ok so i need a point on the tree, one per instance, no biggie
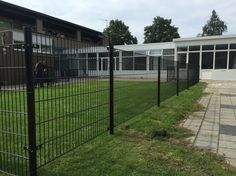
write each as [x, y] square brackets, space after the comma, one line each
[119, 33]
[160, 31]
[214, 26]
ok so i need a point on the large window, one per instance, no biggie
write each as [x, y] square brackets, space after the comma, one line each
[168, 52]
[232, 60]
[153, 63]
[82, 65]
[140, 63]
[180, 49]
[127, 53]
[82, 56]
[233, 46]
[167, 60]
[103, 64]
[127, 63]
[208, 47]
[92, 55]
[182, 60]
[92, 61]
[116, 54]
[4, 25]
[207, 60]
[194, 58]
[92, 64]
[194, 48]
[105, 54]
[117, 63]
[221, 60]
[155, 52]
[222, 47]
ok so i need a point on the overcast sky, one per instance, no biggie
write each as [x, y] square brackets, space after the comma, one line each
[188, 15]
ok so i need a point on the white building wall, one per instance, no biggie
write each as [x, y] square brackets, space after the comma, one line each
[213, 74]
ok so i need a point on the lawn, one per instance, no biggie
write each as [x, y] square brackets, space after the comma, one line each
[68, 115]
[137, 148]
[149, 144]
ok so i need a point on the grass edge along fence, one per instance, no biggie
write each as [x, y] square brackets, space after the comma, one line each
[76, 108]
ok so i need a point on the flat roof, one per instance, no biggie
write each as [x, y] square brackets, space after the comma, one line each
[215, 37]
[18, 10]
[145, 46]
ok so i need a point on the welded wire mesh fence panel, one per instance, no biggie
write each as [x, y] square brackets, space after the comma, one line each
[135, 85]
[183, 76]
[71, 94]
[168, 86]
[13, 111]
[193, 74]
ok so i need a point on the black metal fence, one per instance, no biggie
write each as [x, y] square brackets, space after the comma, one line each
[135, 86]
[175, 78]
[57, 94]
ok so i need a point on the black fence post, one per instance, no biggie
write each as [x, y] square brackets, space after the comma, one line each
[187, 75]
[177, 86]
[159, 83]
[111, 75]
[30, 102]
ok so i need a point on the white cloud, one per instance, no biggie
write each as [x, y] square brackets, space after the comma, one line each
[188, 15]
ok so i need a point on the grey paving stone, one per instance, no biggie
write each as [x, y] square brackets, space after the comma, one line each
[228, 95]
[228, 130]
[228, 116]
[205, 144]
[198, 115]
[210, 124]
[227, 122]
[217, 131]
[208, 127]
[227, 144]
[228, 106]
[206, 139]
[192, 124]
[227, 138]
[227, 152]
[210, 137]
[224, 112]
[195, 117]
[209, 132]
[214, 121]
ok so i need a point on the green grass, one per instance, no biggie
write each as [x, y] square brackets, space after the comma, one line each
[79, 110]
[136, 150]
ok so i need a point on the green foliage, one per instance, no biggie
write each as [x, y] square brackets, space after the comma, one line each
[119, 33]
[160, 31]
[214, 26]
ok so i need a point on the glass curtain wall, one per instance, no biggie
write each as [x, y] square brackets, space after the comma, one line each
[194, 55]
[168, 56]
[221, 56]
[232, 56]
[207, 56]
[153, 59]
[182, 56]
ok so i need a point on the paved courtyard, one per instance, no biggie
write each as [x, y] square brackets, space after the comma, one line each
[215, 126]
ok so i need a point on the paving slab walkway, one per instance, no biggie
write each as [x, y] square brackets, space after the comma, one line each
[214, 127]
